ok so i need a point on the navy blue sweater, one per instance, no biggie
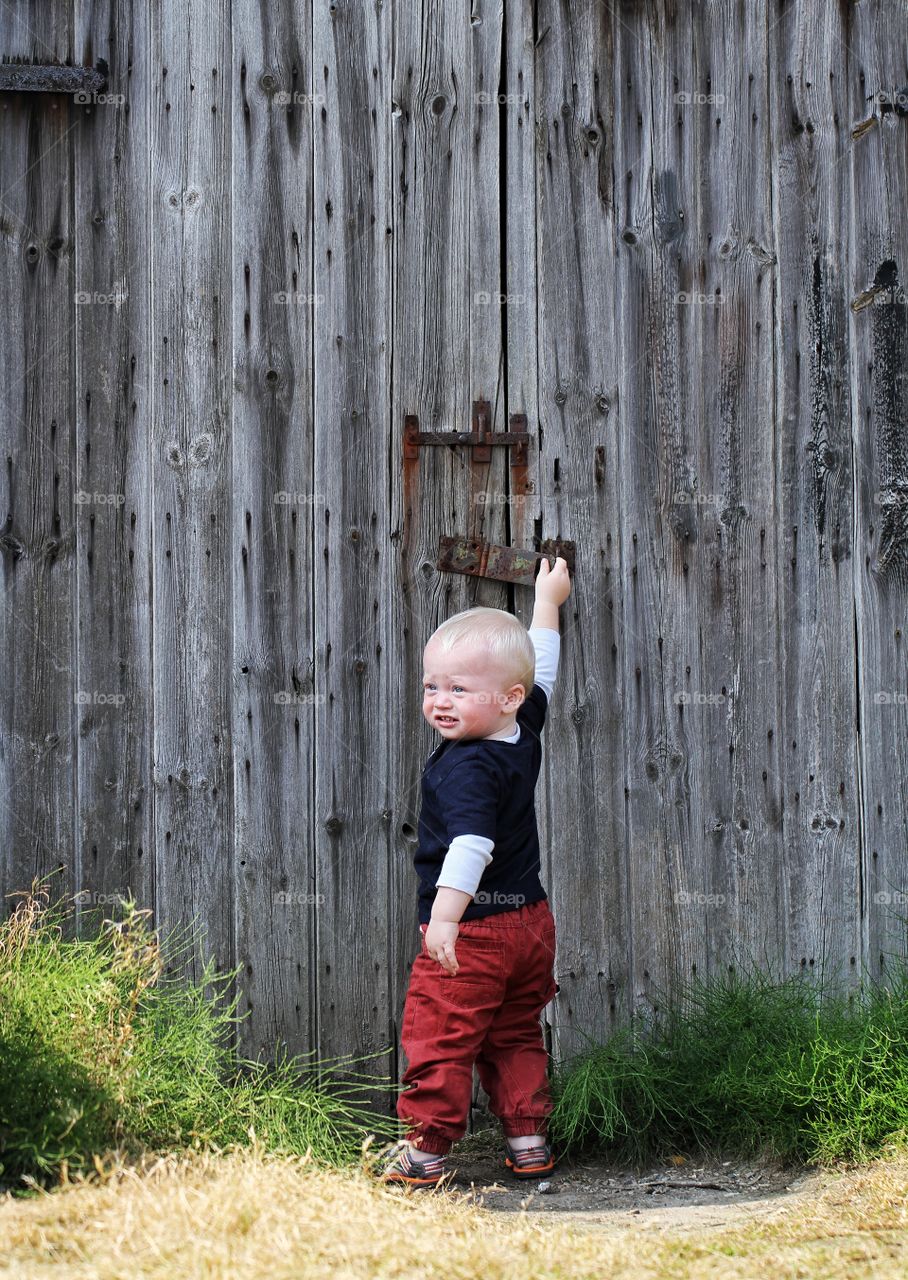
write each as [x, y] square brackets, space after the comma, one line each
[485, 787]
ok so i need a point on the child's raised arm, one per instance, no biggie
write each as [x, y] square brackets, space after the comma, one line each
[553, 586]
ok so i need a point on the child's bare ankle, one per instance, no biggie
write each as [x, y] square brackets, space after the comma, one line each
[526, 1140]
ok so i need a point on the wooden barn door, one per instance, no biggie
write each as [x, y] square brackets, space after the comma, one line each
[675, 244]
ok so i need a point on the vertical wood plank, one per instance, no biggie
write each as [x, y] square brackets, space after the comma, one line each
[810, 65]
[276, 499]
[694, 301]
[448, 320]
[38, 746]
[191, 474]
[579, 355]
[714, 285]
[876, 163]
[115, 850]
[357, 724]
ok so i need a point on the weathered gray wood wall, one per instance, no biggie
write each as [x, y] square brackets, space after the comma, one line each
[667, 234]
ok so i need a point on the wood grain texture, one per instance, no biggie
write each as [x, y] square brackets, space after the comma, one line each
[40, 717]
[191, 477]
[448, 325]
[355, 721]
[276, 504]
[876, 179]
[113, 341]
[674, 238]
[581, 349]
[819, 867]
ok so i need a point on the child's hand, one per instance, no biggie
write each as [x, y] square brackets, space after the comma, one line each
[553, 585]
[440, 938]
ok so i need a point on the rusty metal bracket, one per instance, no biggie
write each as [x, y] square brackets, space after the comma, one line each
[506, 564]
[480, 438]
[18, 77]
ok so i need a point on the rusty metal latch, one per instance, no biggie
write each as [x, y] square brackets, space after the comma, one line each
[16, 77]
[506, 564]
[481, 439]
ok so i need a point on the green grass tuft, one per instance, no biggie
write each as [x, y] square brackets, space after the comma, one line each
[741, 1065]
[100, 1051]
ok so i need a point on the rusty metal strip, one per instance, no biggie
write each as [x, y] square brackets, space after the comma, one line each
[481, 438]
[504, 564]
[53, 78]
[18, 77]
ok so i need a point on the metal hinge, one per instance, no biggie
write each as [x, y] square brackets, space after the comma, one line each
[18, 77]
[481, 439]
[506, 564]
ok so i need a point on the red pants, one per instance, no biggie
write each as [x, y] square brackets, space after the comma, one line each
[488, 1014]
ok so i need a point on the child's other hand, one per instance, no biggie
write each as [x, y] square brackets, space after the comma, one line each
[440, 938]
[553, 584]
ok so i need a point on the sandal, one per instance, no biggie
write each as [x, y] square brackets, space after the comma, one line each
[530, 1163]
[404, 1169]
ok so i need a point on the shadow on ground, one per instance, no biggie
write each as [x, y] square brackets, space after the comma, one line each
[692, 1192]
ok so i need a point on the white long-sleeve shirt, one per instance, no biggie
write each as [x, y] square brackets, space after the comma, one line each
[468, 856]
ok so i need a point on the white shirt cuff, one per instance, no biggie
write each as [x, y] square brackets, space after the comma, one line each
[465, 861]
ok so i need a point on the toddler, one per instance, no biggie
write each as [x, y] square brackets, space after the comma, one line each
[485, 969]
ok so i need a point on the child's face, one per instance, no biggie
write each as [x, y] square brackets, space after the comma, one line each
[466, 694]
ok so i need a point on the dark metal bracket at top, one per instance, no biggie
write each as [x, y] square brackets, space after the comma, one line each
[16, 77]
[480, 439]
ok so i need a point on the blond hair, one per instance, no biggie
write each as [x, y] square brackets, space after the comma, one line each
[496, 633]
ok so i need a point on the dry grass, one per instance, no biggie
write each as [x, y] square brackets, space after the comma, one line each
[253, 1214]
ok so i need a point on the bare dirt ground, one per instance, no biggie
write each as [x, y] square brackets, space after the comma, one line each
[681, 1193]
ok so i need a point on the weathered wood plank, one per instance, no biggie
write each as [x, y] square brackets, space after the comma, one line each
[810, 66]
[356, 722]
[876, 163]
[115, 845]
[694, 306]
[39, 716]
[711, 336]
[276, 502]
[578, 482]
[191, 473]
[448, 271]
